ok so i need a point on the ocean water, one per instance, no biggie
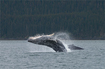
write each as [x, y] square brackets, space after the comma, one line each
[20, 54]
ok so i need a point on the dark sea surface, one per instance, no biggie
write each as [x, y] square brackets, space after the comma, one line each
[20, 54]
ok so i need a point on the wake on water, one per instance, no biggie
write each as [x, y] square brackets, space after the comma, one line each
[59, 36]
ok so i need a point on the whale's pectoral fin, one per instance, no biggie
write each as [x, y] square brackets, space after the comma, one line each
[73, 47]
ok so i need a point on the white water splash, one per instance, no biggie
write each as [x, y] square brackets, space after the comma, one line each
[68, 50]
[63, 36]
[66, 46]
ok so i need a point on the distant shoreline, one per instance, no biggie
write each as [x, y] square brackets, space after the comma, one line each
[70, 39]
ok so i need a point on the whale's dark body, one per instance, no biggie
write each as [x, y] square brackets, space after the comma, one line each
[53, 43]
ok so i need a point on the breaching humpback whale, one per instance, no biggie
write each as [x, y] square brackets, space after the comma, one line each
[50, 41]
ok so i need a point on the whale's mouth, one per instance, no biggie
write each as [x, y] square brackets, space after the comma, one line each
[29, 40]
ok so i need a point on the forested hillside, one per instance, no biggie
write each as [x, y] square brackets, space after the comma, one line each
[83, 19]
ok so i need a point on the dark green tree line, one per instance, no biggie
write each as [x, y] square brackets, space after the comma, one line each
[84, 19]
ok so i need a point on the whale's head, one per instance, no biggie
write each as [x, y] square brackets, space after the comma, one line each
[40, 39]
[48, 40]
[33, 40]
